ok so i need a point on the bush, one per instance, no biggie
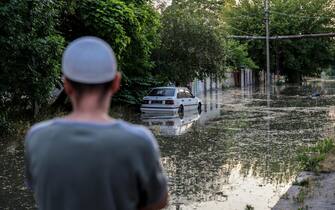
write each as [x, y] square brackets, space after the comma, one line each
[4, 124]
[311, 157]
[30, 51]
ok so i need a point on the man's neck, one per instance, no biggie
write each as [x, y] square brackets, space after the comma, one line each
[89, 109]
[89, 116]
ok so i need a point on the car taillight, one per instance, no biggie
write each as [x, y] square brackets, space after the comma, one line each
[145, 102]
[170, 102]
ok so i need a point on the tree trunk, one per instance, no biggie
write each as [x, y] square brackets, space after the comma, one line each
[36, 108]
[294, 77]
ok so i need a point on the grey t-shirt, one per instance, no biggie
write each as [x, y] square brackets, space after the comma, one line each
[87, 166]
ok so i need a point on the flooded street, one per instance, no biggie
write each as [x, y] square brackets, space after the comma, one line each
[241, 150]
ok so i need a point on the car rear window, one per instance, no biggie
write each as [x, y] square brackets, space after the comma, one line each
[162, 92]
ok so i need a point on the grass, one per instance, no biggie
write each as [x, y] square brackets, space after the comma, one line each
[300, 198]
[305, 188]
[303, 183]
[303, 208]
[311, 157]
[285, 196]
[249, 207]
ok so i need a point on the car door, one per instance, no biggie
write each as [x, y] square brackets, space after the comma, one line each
[188, 99]
[191, 101]
[181, 97]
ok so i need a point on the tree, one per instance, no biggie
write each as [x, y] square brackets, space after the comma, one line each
[30, 52]
[193, 42]
[292, 58]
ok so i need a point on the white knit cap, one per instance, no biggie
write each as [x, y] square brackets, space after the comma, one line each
[89, 60]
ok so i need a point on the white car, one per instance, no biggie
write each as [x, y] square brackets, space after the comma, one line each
[170, 100]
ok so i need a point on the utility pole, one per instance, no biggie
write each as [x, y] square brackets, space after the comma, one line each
[267, 22]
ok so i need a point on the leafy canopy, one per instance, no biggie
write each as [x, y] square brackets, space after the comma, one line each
[130, 27]
[292, 58]
[30, 51]
[193, 43]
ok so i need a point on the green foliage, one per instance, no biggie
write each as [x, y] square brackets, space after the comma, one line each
[300, 198]
[249, 207]
[193, 43]
[303, 183]
[130, 27]
[33, 34]
[237, 55]
[106, 19]
[134, 89]
[30, 51]
[190, 49]
[293, 58]
[5, 126]
[311, 157]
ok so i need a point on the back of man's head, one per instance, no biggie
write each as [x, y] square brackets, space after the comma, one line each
[89, 65]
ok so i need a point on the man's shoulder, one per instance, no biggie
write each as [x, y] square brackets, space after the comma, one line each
[38, 127]
[139, 132]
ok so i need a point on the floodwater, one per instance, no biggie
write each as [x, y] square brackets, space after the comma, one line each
[241, 150]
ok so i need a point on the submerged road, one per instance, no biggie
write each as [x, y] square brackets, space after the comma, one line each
[242, 149]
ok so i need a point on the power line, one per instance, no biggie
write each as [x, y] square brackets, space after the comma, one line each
[279, 13]
[247, 37]
[243, 16]
[302, 36]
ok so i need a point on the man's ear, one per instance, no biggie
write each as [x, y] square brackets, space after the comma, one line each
[116, 83]
[68, 88]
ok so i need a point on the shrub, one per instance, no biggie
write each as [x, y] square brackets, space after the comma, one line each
[4, 124]
[311, 157]
[30, 51]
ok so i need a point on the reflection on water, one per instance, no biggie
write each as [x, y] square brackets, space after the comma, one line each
[170, 125]
[242, 150]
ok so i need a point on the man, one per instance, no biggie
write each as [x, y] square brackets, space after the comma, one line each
[87, 160]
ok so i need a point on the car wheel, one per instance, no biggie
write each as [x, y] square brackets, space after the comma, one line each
[181, 111]
[199, 108]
